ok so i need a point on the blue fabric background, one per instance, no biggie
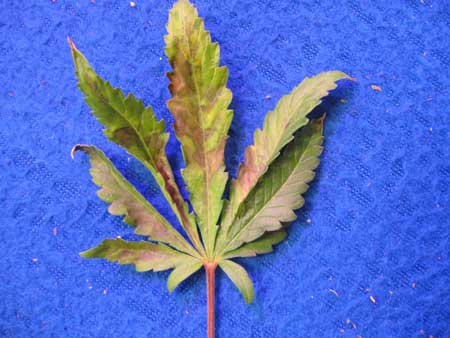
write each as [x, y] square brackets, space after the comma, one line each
[369, 255]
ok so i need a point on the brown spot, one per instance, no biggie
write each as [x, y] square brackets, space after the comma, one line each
[414, 285]
[376, 88]
[126, 136]
[55, 231]
[342, 101]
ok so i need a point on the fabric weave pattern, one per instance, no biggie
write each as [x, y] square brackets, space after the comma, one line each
[369, 255]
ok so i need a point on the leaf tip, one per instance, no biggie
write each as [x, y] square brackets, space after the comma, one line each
[71, 44]
[322, 118]
[77, 147]
[170, 287]
[249, 299]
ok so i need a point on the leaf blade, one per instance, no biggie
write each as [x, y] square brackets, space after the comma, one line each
[199, 104]
[181, 273]
[240, 278]
[289, 115]
[275, 197]
[125, 200]
[262, 245]
[134, 127]
[145, 256]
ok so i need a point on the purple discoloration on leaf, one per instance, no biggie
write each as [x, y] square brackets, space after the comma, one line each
[126, 200]
[199, 104]
[135, 127]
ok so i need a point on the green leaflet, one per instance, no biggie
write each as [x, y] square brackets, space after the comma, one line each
[181, 272]
[262, 245]
[289, 115]
[199, 104]
[279, 192]
[144, 255]
[129, 124]
[240, 278]
[126, 200]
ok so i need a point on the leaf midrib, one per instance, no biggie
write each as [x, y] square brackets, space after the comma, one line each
[202, 122]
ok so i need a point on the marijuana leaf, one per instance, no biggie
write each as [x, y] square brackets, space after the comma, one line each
[268, 189]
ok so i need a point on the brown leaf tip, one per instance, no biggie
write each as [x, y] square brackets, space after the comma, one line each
[76, 148]
[71, 44]
[322, 118]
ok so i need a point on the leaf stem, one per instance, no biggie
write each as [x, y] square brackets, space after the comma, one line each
[210, 268]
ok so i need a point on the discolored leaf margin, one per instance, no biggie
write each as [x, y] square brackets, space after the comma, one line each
[199, 104]
[289, 115]
[125, 200]
[135, 127]
[278, 193]
[262, 245]
[145, 256]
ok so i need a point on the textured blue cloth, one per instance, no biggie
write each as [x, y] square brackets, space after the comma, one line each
[369, 255]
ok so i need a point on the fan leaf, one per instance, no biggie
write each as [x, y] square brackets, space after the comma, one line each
[135, 127]
[145, 256]
[125, 200]
[181, 272]
[289, 115]
[240, 278]
[199, 104]
[279, 192]
[262, 245]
